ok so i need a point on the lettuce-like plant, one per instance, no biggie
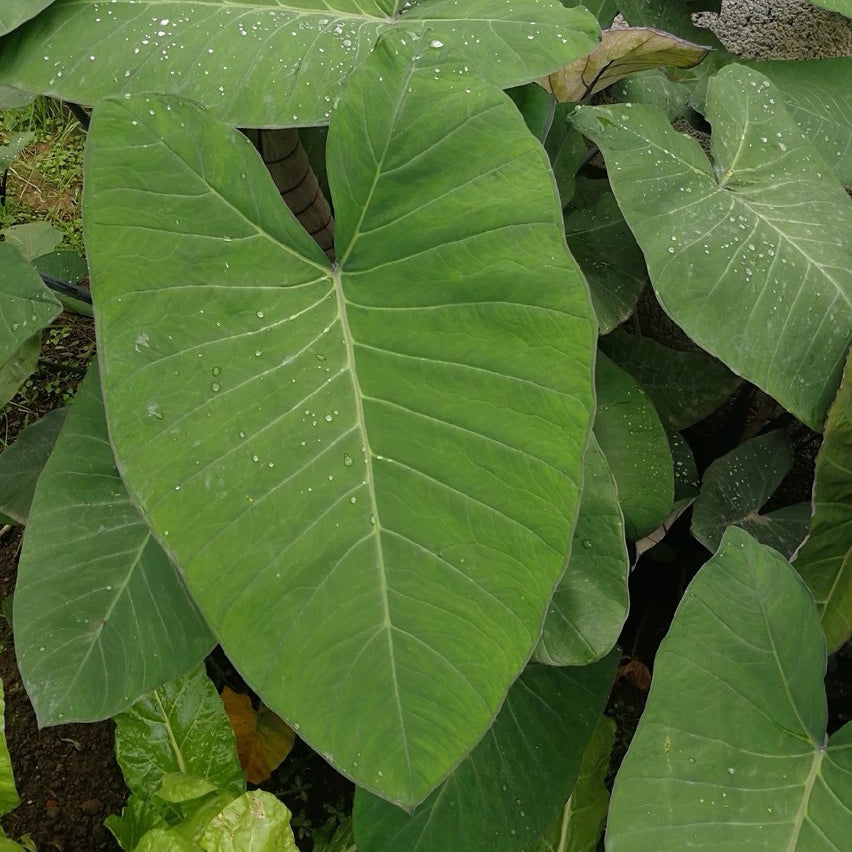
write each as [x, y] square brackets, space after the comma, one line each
[385, 474]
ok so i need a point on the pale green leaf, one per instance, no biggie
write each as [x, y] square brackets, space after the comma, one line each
[750, 256]
[622, 51]
[511, 787]
[731, 752]
[15, 143]
[684, 386]
[824, 559]
[180, 727]
[15, 12]
[819, 100]
[844, 7]
[656, 89]
[613, 264]
[589, 606]
[19, 367]
[390, 467]
[26, 305]
[32, 239]
[22, 462]
[11, 98]
[579, 826]
[166, 840]
[636, 447]
[9, 799]
[737, 485]
[276, 62]
[255, 821]
[101, 617]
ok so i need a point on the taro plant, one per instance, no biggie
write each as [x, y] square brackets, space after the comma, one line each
[394, 474]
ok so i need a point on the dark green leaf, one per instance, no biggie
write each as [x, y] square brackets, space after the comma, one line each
[15, 12]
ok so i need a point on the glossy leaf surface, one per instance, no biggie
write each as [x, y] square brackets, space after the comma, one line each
[684, 386]
[510, 788]
[274, 62]
[9, 798]
[21, 464]
[750, 256]
[819, 99]
[255, 821]
[101, 616]
[368, 474]
[824, 559]
[735, 488]
[589, 606]
[636, 447]
[754, 768]
[179, 728]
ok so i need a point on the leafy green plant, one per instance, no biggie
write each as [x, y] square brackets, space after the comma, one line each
[386, 474]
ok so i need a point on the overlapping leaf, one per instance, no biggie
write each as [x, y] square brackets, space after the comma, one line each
[636, 448]
[824, 559]
[589, 606]
[273, 62]
[684, 386]
[735, 488]
[101, 616]
[21, 464]
[819, 99]
[750, 256]
[9, 798]
[15, 12]
[368, 474]
[731, 752]
[508, 791]
[620, 53]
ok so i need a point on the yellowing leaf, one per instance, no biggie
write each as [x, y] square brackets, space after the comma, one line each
[263, 739]
[621, 52]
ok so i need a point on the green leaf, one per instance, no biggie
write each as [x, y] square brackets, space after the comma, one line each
[15, 143]
[331, 839]
[18, 368]
[684, 386]
[579, 826]
[824, 559]
[15, 98]
[604, 10]
[671, 16]
[64, 265]
[512, 785]
[567, 151]
[613, 264]
[230, 58]
[620, 53]
[15, 12]
[749, 256]
[21, 464]
[391, 461]
[844, 7]
[256, 821]
[819, 100]
[731, 752]
[32, 239]
[166, 840]
[589, 605]
[656, 89]
[26, 305]
[101, 617]
[137, 817]
[737, 485]
[9, 799]
[180, 727]
[636, 448]
[537, 107]
[179, 787]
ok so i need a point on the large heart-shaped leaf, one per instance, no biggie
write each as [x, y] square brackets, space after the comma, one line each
[275, 62]
[737, 485]
[636, 448]
[819, 99]
[589, 606]
[15, 12]
[509, 789]
[101, 616]
[368, 472]
[21, 464]
[824, 559]
[731, 752]
[684, 386]
[749, 256]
